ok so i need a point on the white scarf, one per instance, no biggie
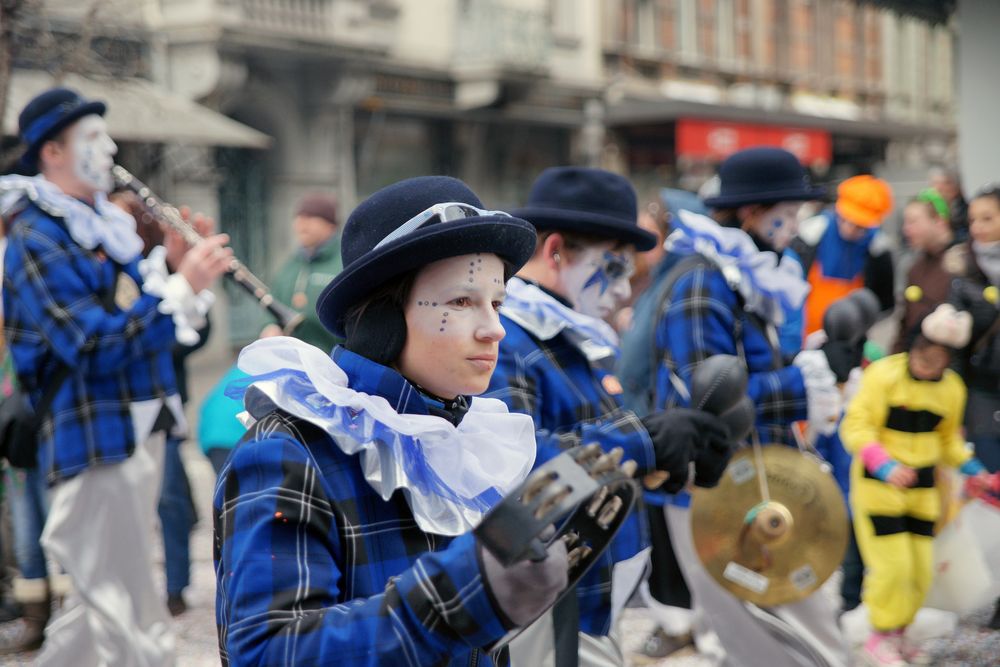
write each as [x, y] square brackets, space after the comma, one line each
[104, 225]
[443, 470]
[770, 286]
[544, 317]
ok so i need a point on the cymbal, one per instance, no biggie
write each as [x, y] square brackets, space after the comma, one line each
[776, 552]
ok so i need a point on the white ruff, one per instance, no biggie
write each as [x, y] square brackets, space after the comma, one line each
[544, 318]
[105, 225]
[425, 456]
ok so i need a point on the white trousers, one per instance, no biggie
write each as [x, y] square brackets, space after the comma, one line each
[802, 634]
[99, 530]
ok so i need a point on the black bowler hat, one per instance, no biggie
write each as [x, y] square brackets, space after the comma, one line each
[371, 260]
[588, 201]
[762, 176]
[45, 116]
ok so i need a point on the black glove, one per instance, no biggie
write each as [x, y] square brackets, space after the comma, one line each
[682, 435]
[843, 356]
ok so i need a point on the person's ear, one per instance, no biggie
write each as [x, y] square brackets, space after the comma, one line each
[554, 251]
[52, 153]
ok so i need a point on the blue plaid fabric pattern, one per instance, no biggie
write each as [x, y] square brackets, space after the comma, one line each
[567, 397]
[702, 316]
[315, 568]
[54, 316]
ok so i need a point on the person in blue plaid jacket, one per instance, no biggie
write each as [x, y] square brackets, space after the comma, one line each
[556, 365]
[86, 319]
[342, 519]
[729, 290]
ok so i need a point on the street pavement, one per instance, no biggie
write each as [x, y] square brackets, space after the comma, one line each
[968, 646]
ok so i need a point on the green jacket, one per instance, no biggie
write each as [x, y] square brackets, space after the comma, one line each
[309, 275]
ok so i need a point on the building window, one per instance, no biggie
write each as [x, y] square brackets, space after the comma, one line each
[707, 26]
[666, 22]
[565, 27]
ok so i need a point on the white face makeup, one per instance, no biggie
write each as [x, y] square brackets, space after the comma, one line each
[596, 281]
[93, 153]
[453, 328]
[779, 224]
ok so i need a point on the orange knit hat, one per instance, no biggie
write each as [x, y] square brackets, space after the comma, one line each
[864, 200]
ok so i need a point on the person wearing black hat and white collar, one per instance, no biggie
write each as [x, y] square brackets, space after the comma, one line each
[90, 328]
[727, 294]
[556, 365]
[342, 521]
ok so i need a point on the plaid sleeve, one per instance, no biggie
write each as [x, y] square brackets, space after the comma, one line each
[281, 576]
[515, 382]
[67, 313]
[699, 322]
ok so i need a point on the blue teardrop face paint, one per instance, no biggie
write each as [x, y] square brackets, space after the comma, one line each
[780, 223]
[596, 282]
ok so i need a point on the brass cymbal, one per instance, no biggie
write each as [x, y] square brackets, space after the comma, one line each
[777, 552]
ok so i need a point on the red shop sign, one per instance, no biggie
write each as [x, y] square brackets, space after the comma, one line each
[717, 140]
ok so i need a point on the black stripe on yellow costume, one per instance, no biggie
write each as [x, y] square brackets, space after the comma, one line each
[892, 525]
[912, 421]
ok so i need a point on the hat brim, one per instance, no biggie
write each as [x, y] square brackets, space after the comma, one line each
[773, 197]
[29, 159]
[512, 239]
[586, 222]
[857, 215]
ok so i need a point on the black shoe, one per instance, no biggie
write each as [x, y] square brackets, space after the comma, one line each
[994, 623]
[176, 605]
[28, 632]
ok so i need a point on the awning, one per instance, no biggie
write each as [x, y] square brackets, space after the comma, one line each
[716, 140]
[139, 111]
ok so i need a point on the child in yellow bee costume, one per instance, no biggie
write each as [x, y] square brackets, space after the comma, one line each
[905, 419]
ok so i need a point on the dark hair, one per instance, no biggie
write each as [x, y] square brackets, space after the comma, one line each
[376, 325]
[572, 241]
[991, 190]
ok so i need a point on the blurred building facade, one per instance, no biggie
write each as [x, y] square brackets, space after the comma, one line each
[355, 94]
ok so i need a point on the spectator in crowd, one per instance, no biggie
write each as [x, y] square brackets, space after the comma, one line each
[841, 250]
[948, 183]
[82, 317]
[310, 268]
[218, 428]
[928, 232]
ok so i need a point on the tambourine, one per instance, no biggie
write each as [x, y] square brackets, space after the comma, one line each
[584, 492]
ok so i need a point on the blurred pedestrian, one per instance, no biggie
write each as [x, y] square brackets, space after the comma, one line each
[218, 428]
[948, 182]
[311, 266]
[927, 230]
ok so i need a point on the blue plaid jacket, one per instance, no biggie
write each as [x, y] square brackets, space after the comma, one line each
[702, 316]
[568, 399]
[54, 316]
[314, 568]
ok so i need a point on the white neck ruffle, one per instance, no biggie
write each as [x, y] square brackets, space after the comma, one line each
[450, 476]
[770, 285]
[544, 317]
[104, 225]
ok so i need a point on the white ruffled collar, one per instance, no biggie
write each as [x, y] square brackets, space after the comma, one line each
[450, 476]
[770, 285]
[104, 225]
[544, 317]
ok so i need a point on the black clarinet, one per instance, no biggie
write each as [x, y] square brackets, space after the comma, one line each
[288, 319]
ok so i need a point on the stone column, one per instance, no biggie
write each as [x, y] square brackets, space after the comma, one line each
[978, 93]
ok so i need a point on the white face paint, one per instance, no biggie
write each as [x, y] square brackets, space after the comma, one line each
[93, 153]
[779, 224]
[596, 281]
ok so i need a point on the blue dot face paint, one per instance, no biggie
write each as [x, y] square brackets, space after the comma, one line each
[596, 281]
[779, 224]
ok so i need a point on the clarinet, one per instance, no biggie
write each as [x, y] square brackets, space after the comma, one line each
[287, 318]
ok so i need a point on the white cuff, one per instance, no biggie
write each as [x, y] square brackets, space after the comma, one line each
[177, 299]
[823, 399]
